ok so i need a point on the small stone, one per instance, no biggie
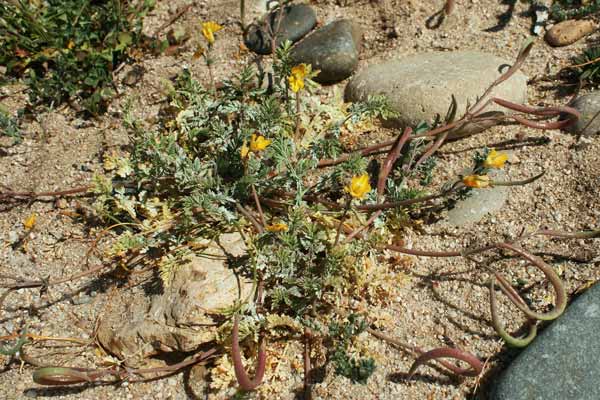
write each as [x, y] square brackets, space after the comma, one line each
[420, 87]
[61, 203]
[13, 237]
[568, 32]
[297, 20]
[332, 49]
[563, 362]
[83, 299]
[589, 107]
[479, 203]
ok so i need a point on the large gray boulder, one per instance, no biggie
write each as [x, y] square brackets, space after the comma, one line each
[420, 87]
[563, 362]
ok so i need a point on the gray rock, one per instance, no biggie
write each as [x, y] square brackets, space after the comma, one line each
[332, 49]
[420, 87]
[297, 20]
[480, 203]
[588, 105]
[182, 318]
[563, 362]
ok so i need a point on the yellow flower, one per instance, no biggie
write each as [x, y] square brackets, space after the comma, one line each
[208, 30]
[359, 186]
[278, 227]
[495, 160]
[477, 181]
[30, 222]
[258, 143]
[296, 79]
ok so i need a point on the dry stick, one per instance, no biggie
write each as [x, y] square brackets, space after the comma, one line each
[42, 283]
[174, 18]
[247, 214]
[258, 206]
[449, 7]
[78, 190]
[240, 373]
[307, 366]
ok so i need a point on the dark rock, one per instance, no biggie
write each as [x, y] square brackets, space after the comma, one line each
[589, 107]
[297, 20]
[563, 362]
[332, 49]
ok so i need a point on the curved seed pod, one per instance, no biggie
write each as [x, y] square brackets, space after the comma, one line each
[559, 288]
[509, 339]
[447, 352]
[57, 376]
[240, 373]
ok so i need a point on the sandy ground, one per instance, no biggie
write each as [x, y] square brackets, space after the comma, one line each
[436, 301]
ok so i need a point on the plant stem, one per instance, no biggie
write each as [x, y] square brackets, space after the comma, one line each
[297, 129]
[339, 228]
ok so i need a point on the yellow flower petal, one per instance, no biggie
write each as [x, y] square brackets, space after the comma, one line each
[208, 30]
[30, 222]
[296, 78]
[359, 186]
[477, 181]
[258, 143]
[278, 227]
[495, 160]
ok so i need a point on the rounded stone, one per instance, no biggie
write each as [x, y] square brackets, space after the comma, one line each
[568, 32]
[479, 203]
[589, 107]
[420, 87]
[296, 21]
[332, 49]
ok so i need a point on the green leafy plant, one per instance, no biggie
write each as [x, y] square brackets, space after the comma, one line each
[67, 50]
[587, 65]
[9, 126]
[356, 369]
[562, 10]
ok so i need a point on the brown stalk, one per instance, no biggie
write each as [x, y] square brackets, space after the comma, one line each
[415, 350]
[240, 373]
[476, 366]
[553, 278]
[508, 338]
[59, 376]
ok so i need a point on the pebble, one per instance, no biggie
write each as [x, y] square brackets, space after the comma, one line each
[420, 87]
[568, 32]
[332, 49]
[296, 22]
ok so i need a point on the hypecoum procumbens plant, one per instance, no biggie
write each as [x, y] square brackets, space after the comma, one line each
[270, 164]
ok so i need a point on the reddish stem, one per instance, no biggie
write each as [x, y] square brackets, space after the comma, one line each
[240, 373]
